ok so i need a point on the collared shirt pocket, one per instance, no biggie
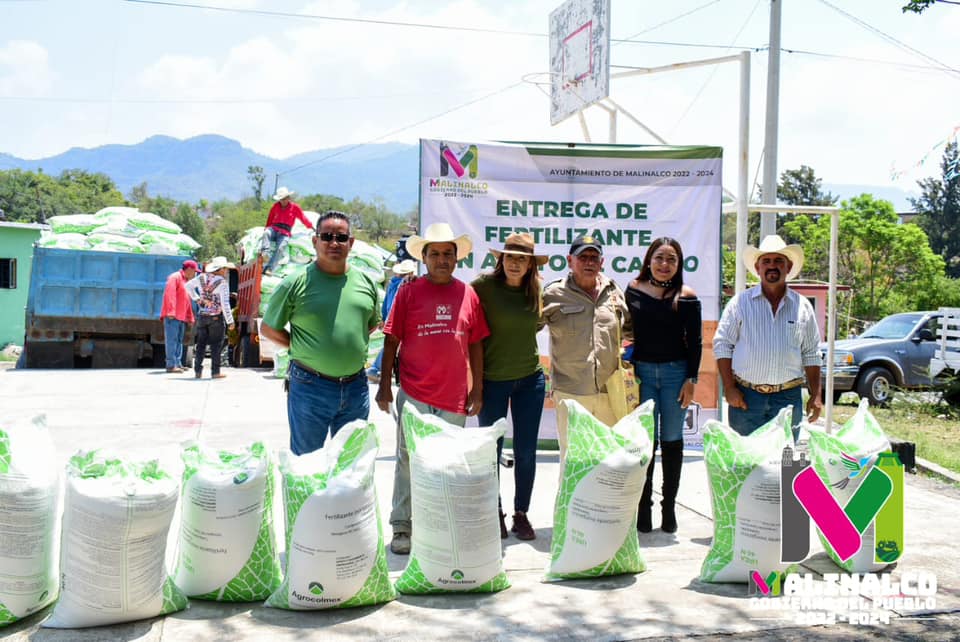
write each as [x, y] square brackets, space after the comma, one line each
[571, 317]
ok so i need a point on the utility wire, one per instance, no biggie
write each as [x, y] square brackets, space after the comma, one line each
[404, 128]
[666, 22]
[890, 38]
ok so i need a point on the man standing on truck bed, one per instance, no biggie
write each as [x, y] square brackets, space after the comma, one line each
[176, 312]
[283, 215]
[331, 309]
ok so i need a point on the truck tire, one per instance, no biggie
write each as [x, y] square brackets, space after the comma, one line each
[251, 352]
[876, 386]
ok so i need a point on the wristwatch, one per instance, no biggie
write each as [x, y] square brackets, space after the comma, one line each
[692, 380]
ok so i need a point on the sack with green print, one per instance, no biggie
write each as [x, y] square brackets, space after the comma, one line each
[844, 461]
[595, 514]
[335, 554]
[29, 519]
[455, 545]
[227, 548]
[744, 477]
[116, 519]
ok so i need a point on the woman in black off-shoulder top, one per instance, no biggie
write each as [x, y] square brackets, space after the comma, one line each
[666, 359]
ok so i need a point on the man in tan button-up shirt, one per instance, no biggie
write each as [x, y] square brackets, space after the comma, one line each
[588, 318]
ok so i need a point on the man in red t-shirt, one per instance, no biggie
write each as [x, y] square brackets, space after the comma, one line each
[176, 312]
[283, 215]
[440, 324]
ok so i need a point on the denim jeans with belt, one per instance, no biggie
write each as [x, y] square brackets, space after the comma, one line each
[316, 405]
[173, 331]
[663, 382]
[761, 408]
[525, 398]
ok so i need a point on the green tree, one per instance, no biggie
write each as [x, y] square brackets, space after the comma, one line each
[33, 197]
[802, 187]
[919, 6]
[257, 177]
[138, 194]
[939, 209]
[886, 264]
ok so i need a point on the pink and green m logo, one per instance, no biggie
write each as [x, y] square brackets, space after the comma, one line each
[462, 164]
[768, 586]
[877, 500]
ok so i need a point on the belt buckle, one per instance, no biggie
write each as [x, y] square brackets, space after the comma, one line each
[766, 388]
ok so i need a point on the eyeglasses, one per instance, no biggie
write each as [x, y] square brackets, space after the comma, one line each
[330, 236]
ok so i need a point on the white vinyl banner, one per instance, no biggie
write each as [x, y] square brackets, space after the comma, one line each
[625, 195]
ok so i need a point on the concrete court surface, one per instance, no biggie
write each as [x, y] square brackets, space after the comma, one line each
[147, 413]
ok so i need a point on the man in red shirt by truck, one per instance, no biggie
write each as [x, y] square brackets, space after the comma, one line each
[176, 312]
[283, 215]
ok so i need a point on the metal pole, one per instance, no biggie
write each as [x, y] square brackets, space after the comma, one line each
[613, 126]
[276, 182]
[831, 318]
[743, 169]
[583, 126]
[768, 221]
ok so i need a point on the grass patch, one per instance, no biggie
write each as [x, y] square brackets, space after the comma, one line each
[934, 428]
[4, 357]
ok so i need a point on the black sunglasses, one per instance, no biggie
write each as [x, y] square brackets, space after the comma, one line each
[330, 236]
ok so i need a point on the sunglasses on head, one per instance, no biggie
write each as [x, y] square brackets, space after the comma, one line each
[330, 236]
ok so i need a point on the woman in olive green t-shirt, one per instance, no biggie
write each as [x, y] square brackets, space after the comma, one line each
[512, 375]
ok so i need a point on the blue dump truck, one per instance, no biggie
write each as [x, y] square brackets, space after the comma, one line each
[96, 309]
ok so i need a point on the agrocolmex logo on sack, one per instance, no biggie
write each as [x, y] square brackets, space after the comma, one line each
[459, 169]
[877, 500]
[315, 591]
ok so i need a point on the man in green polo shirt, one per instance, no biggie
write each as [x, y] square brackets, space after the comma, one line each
[331, 310]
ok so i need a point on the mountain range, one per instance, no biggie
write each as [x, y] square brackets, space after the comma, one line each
[214, 167]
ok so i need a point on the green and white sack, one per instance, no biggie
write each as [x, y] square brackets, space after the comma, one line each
[150, 221]
[227, 549]
[454, 488]
[76, 223]
[842, 461]
[744, 477]
[104, 242]
[29, 519]
[335, 554]
[115, 523]
[249, 243]
[66, 241]
[595, 515]
[300, 249]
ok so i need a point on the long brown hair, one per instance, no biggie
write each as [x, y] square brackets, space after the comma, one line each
[645, 272]
[530, 284]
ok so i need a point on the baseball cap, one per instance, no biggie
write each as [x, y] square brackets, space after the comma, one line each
[585, 242]
[190, 264]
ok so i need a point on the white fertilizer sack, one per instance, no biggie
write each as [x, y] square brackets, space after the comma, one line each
[29, 519]
[843, 461]
[744, 477]
[115, 523]
[454, 488]
[595, 515]
[227, 549]
[335, 554]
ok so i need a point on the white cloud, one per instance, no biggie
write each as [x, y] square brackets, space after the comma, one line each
[24, 69]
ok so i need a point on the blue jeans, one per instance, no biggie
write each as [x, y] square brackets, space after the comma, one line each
[173, 330]
[525, 398]
[762, 408]
[275, 243]
[662, 382]
[316, 405]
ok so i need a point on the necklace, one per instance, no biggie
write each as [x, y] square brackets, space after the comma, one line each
[661, 284]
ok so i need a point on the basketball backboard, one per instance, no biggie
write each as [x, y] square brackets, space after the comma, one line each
[579, 56]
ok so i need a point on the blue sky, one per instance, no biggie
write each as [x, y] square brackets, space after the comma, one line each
[87, 73]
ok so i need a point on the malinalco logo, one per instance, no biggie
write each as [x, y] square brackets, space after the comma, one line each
[768, 586]
[877, 500]
[466, 161]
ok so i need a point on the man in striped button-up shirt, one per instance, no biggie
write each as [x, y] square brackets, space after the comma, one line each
[767, 341]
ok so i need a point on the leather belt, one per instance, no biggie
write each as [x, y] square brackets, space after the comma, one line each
[770, 388]
[341, 380]
[282, 226]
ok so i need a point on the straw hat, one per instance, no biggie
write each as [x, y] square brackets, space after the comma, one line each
[218, 263]
[405, 267]
[773, 244]
[438, 233]
[282, 193]
[520, 244]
